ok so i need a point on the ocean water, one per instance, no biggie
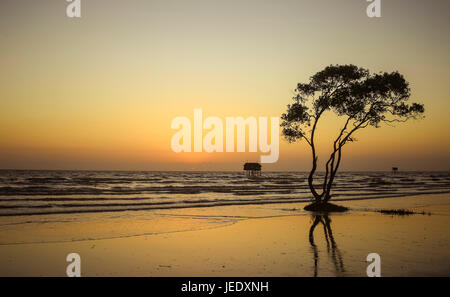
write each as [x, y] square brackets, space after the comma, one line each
[24, 192]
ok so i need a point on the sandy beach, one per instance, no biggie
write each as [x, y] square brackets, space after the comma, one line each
[243, 240]
[225, 139]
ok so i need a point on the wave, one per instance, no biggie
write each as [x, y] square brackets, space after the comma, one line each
[60, 192]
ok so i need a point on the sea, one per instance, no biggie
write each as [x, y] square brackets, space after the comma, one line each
[39, 192]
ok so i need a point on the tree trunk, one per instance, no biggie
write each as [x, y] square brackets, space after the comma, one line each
[327, 194]
[316, 195]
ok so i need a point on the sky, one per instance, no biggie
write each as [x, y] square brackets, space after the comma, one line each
[100, 92]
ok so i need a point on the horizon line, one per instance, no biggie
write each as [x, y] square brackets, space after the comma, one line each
[144, 170]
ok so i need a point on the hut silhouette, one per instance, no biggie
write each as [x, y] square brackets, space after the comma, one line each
[252, 169]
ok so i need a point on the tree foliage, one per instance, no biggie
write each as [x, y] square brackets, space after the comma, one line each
[362, 98]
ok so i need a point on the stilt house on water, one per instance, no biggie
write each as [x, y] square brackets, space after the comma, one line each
[252, 169]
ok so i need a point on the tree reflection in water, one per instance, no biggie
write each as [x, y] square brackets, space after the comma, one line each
[332, 248]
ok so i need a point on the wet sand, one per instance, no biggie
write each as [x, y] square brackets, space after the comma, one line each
[247, 240]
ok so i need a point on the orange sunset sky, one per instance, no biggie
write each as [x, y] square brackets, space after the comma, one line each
[100, 92]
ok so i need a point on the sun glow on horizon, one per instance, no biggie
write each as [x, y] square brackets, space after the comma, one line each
[101, 92]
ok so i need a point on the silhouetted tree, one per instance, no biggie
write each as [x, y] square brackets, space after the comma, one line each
[364, 100]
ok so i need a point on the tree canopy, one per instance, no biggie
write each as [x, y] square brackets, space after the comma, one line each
[362, 98]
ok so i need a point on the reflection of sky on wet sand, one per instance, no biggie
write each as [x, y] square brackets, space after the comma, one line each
[275, 242]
